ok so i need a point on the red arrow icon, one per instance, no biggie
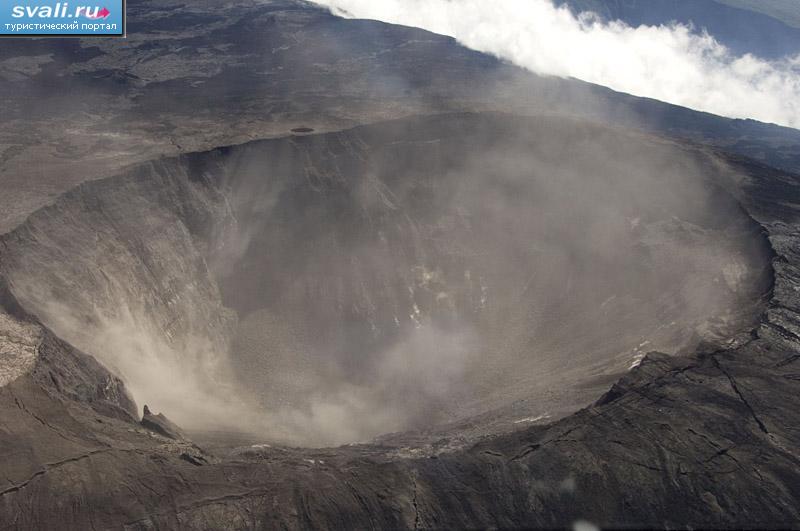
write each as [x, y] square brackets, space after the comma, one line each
[103, 13]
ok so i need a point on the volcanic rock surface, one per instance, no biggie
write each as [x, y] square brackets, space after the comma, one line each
[228, 287]
[698, 438]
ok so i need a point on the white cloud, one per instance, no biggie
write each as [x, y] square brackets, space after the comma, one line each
[669, 63]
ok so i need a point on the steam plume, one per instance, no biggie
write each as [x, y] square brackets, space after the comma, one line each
[672, 63]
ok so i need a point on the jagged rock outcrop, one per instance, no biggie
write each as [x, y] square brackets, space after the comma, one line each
[160, 424]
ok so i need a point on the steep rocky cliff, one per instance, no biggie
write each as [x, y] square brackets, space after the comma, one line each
[117, 268]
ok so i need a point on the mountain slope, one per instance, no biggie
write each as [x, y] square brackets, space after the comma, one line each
[754, 27]
[193, 77]
[787, 11]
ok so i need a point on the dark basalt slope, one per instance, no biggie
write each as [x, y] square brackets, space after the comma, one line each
[703, 439]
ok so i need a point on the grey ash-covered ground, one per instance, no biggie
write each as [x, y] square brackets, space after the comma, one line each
[223, 243]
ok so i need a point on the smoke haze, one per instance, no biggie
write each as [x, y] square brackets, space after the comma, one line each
[332, 288]
[405, 274]
[675, 63]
